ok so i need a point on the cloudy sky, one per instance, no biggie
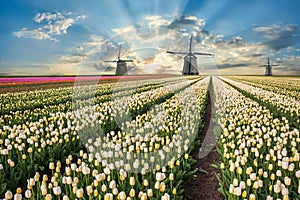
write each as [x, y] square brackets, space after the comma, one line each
[57, 37]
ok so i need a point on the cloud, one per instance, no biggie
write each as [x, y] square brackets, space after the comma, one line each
[222, 66]
[40, 17]
[156, 62]
[236, 40]
[81, 17]
[275, 31]
[289, 63]
[148, 42]
[4, 74]
[257, 55]
[124, 30]
[16, 70]
[37, 34]
[186, 20]
[79, 48]
[278, 37]
[189, 24]
[95, 40]
[51, 24]
[155, 31]
[59, 27]
[73, 59]
[156, 21]
[104, 66]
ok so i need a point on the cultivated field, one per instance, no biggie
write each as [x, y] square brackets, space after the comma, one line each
[136, 138]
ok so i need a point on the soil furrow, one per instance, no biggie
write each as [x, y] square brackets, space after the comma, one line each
[204, 186]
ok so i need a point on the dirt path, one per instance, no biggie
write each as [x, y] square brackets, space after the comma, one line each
[205, 185]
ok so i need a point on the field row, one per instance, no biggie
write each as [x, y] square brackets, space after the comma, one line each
[279, 104]
[285, 85]
[41, 99]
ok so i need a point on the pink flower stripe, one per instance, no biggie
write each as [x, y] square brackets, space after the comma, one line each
[33, 80]
[57, 79]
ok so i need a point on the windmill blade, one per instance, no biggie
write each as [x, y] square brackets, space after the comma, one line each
[119, 53]
[191, 40]
[126, 60]
[204, 54]
[110, 61]
[174, 52]
[262, 65]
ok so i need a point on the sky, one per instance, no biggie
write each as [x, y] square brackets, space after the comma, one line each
[72, 37]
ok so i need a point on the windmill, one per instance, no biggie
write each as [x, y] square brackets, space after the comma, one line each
[190, 66]
[121, 64]
[268, 68]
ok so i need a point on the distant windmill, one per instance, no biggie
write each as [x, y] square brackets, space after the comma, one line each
[268, 68]
[190, 66]
[121, 64]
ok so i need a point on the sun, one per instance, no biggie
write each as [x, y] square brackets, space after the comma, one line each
[151, 68]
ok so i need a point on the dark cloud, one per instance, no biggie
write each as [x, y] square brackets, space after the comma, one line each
[182, 21]
[105, 66]
[79, 48]
[293, 70]
[198, 38]
[257, 55]
[185, 21]
[279, 44]
[164, 70]
[218, 41]
[134, 70]
[223, 66]
[278, 37]
[200, 34]
[205, 32]
[235, 40]
[296, 71]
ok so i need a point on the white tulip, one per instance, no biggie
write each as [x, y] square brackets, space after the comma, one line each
[57, 190]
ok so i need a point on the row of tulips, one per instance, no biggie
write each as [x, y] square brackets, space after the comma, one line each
[259, 153]
[20, 101]
[147, 159]
[279, 104]
[31, 115]
[24, 147]
[283, 85]
[102, 93]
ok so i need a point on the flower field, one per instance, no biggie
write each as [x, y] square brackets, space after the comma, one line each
[133, 139]
[259, 148]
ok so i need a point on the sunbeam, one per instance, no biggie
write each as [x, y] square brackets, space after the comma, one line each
[238, 33]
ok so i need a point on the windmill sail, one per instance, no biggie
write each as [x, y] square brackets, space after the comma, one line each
[268, 66]
[121, 64]
[190, 66]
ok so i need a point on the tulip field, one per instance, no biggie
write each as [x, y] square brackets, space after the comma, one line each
[259, 139]
[133, 139]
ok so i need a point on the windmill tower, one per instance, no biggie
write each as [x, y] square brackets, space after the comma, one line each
[268, 66]
[190, 66]
[121, 64]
